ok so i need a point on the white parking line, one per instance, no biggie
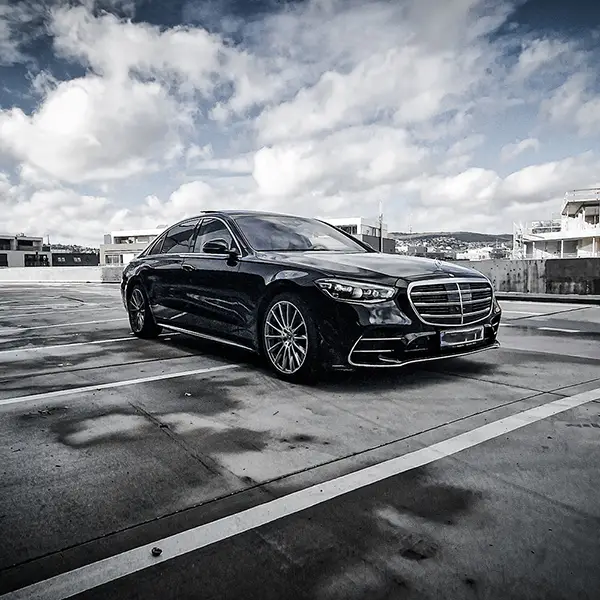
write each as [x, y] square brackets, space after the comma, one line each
[522, 312]
[70, 345]
[58, 346]
[63, 311]
[20, 307]
[72, 324]
[559, 329]
[112, 384]
[104, 571]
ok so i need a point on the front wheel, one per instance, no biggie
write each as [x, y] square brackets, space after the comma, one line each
[290, 339]
[141, 320]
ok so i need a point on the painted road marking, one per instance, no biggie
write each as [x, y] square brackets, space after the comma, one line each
[104, 571]
[112, 384]
[19, 307]
[70, 345]
[521, 312]
[559, 329]
[57, 346]
[63, 311]
[71, 324]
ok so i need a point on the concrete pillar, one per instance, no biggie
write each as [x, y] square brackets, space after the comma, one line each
[562, 248]
[533, 250]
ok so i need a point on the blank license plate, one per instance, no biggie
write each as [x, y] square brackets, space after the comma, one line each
[461, 337]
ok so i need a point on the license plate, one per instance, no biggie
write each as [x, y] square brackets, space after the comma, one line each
[460, 337]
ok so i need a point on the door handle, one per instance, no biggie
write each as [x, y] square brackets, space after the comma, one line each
[189, 267]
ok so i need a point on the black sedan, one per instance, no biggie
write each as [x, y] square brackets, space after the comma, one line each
[305, 295]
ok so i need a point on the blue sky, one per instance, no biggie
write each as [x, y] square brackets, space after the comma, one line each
[457, 114]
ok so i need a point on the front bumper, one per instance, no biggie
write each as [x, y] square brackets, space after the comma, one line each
[390, 334]
[403, 350]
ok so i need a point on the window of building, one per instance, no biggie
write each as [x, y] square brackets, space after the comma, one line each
[61, 259]
[4, 244]
[3, 260]
[178, 238]
[112, 259]
[77, 259]
[213, 230]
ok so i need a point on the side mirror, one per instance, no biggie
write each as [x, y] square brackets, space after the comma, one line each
[216, 247]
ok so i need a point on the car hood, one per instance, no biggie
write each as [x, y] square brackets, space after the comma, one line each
[371, 266]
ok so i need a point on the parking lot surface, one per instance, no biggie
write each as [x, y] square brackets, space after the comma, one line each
[176, 468]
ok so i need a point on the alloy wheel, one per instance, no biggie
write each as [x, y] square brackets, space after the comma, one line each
[286, 337]
[137, 310]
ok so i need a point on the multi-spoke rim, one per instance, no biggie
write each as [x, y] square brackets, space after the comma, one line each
[286, 337]
[137, 310]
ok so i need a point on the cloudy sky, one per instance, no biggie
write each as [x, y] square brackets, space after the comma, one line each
[457, 114]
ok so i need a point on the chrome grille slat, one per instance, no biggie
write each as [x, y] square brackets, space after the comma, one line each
[451, 302]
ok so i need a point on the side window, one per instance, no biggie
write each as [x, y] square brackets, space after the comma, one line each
[178, 238]
[210, 231]
[157, 248]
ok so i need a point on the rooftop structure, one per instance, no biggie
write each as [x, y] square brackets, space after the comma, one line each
[366, 230]
[120, 247]
[575, 233]
[23, 251]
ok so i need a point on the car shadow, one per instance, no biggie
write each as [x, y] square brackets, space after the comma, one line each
[367, 379]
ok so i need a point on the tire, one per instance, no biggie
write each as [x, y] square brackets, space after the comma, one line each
[284, 352]
[141, 319]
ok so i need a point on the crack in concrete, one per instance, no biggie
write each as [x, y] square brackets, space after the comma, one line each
[208, 463]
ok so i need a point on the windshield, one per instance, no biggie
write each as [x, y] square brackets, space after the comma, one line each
[274, 233]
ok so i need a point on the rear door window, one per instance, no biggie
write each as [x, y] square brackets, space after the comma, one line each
[177, 240]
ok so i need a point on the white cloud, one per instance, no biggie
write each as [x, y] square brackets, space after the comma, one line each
[12, 16]
[511, 151]
[355, 158]
[538, 54]
[93, 128]
[323, 107]
[575, 103]
[62, 213]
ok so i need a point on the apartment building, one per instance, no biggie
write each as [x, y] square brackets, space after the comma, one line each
[575, 233]
[23, 251]
[120, 247]
[366, 230]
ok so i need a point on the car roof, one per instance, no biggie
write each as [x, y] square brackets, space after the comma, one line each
[246, 213]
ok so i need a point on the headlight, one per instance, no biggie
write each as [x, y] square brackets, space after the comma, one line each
[356, 291]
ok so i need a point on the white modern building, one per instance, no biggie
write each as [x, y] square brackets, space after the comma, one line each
[23, 251]
[120, 247]
[366, 230]
[573, 234]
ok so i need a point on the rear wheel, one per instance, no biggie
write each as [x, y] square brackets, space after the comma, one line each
[141, 320]
[290, 339]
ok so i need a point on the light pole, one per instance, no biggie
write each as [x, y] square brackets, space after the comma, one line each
[380, 226]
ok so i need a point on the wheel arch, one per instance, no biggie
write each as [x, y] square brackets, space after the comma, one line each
[275, 289]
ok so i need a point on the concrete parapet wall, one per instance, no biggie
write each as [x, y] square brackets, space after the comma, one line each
[61, 274]
[579, 276]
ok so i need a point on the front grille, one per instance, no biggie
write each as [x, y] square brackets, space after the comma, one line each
[451, 301]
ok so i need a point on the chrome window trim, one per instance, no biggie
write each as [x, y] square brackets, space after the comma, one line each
[456, 281]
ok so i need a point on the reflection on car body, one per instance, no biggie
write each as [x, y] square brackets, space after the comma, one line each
[305, 295]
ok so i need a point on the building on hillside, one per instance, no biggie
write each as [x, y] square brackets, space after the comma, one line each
[366, 230]
[573, 234]
[120, 247]
[23, 251]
